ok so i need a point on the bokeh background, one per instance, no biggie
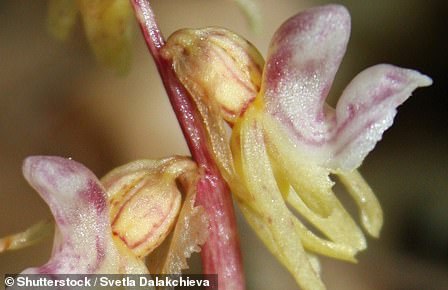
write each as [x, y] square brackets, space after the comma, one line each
[56, 100]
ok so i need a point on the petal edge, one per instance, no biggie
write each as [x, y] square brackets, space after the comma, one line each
[367, 108]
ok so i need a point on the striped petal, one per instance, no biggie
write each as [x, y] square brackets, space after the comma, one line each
[304, 56]
[366, 109]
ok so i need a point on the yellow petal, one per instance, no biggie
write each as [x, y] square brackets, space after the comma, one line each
[370, 209]
[311, 190]
[26, 238]
[216, 65]
[283, 238]
[108, 25]
[61, 17]
[222, 72]
[145, 201]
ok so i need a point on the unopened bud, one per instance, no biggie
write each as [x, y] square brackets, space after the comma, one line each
[217, 64]
[145, 201]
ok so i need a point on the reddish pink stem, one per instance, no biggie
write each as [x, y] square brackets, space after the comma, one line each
[221, 253]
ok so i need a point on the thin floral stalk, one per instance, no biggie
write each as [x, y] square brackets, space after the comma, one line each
[221, 253]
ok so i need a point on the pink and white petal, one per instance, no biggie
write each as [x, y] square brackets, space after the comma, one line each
[304, 56]
[367, 108]
[83, 240]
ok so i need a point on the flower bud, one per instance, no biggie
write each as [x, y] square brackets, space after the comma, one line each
[217, 65]
[145, 201]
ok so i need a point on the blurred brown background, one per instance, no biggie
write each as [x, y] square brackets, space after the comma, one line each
[55, 100]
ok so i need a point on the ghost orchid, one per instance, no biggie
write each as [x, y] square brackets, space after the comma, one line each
[110, 227]
[78, 202]
[289, 141]
[285, 143]
[286, 140]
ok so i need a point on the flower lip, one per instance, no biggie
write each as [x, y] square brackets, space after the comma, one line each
[59, 179]
[304, 56]
[83, 241]
[307, 49]
[51, 172]
[289, 141]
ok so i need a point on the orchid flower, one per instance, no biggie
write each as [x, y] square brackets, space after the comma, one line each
[109, 227]
[78, 201]
[286, 140]
[107, 23]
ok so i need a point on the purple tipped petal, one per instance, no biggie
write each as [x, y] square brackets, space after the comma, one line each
[304, 56]
[303, 59]
[83, 242]
[367, 108]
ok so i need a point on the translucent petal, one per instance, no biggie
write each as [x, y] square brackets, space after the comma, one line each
[189, 233]
[216, 65]
[311, 191]
[304, 56]
[370, 209]
[367, 108]
[222, 71]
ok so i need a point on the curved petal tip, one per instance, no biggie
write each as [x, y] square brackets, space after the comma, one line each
[83, 241]
[304, 56]
[367, 108]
